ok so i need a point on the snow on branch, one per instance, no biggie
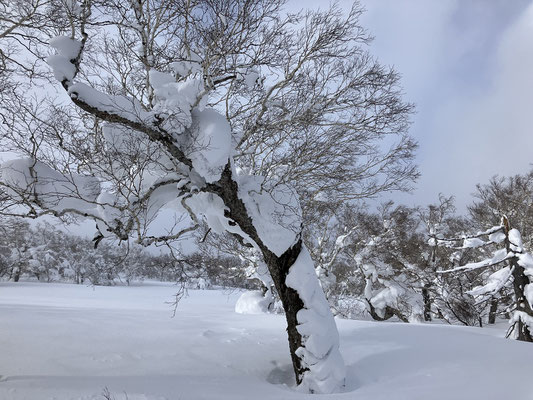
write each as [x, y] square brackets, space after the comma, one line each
[498, 257]
[495, 283]
[114, 109]
[28, 180]
[495, 235]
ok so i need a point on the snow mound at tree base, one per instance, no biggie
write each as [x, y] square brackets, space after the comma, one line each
[253, 302]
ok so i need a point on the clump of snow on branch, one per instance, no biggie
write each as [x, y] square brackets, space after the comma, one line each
[125, 107]
[175, 101]
[67, 50]
[387, 297]
[377, 272]
[211, 143]
[497, 237]
[320, 352]
[48, 187]
[109, 205]
[379, 298]
[470, 243]
[251, 78]
[515, 241]
[495, 282]
[275, 213]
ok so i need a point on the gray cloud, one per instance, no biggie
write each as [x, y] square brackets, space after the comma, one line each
[468, 65]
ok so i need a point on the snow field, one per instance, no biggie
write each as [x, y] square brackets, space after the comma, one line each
[62, 341]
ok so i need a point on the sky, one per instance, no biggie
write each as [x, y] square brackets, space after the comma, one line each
[468, 67]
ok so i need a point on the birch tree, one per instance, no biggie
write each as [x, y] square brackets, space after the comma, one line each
[223, 110]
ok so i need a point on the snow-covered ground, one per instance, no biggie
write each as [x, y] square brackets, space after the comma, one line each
[60, 341]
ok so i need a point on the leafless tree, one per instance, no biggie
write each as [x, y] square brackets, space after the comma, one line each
[308, 108]
[510, 196]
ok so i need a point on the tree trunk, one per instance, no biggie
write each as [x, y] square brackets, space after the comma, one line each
[292, 303]
[520, 280]
[327, 378]
[16, 275]
[522, 304]
[493, 310]
[427, 303]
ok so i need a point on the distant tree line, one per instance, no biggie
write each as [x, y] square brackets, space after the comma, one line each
[46, 254]
[394, 262]
[426, 263]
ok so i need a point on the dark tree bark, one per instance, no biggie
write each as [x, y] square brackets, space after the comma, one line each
[427, 302]
[389, 313]
[278, 267]
[520, 280]
[292, 303]
[522, 304]
[16, 276]
[493, 310]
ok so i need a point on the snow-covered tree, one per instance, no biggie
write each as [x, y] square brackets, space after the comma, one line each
[510, 196]
[390, 259]
[331, 231]
[513, 268]
[513, 197]
[221, 109]
[445, 297]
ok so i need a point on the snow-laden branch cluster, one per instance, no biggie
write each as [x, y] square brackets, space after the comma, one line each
[392, 283]
[515, 269]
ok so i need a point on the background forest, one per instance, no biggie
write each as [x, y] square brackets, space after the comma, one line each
[381, 263]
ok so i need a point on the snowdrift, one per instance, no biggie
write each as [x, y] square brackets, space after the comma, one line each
[65, 341]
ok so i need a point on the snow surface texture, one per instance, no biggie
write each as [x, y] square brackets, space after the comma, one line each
[320, 351]
[69, 342]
